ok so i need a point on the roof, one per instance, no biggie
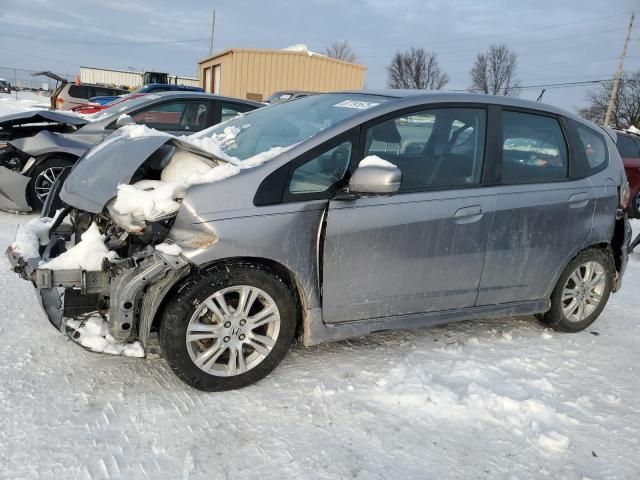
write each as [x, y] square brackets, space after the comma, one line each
[317, 56]
[194, 94]
[432, 96]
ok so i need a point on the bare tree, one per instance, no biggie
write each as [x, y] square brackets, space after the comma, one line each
[626, 105]
[342, 51]
[416, 68]
[494, 71]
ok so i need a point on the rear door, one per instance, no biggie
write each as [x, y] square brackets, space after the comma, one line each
[543, 216]
[422, 249]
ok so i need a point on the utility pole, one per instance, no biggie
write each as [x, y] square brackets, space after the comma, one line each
[616, 81]
[213, 30]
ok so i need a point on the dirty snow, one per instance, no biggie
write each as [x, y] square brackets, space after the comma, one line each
[493, 399]
[87, 254]
[94, 335]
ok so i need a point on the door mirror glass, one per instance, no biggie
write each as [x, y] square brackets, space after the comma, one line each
[124, 120]
[375, 178]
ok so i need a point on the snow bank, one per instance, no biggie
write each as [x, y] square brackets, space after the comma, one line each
[87, 254]
[375, 161]
[94, 335]
[26, 101]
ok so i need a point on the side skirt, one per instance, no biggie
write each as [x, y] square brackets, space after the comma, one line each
[316, 331]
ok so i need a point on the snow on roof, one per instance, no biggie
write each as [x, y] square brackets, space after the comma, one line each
[301, 47]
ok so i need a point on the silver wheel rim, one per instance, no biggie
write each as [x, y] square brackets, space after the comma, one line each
[233, 331]
[44, 181]
[583, 291]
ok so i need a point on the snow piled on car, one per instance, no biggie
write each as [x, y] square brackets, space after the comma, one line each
[87, 254]
[150, 200]
[93, 334]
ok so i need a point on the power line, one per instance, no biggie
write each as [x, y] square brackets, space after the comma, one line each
[578, 83]
[89, 42]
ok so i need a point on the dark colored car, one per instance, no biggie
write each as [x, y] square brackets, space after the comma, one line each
[5, 87]
[30, 165]
[629, 147]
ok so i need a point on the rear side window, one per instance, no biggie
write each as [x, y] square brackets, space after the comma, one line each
[534, 149]
[595, 148]
[627, 147]
[231, 110]
[80, 91]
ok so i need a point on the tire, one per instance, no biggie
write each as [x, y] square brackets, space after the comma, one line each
[194, 309]
[565, 315]
[43, 177]
[53, 202]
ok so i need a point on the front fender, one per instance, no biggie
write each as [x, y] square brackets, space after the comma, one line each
[45, 143]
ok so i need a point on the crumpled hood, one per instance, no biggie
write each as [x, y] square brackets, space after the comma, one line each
[36, 116]
[45, 142]
[95, 177]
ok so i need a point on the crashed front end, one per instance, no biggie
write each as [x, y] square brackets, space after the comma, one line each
[123, 278]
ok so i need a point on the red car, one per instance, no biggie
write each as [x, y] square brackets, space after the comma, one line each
[629, 147]
[96, 107]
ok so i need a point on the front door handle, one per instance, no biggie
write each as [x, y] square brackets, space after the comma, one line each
[468, 214]
[578, 200]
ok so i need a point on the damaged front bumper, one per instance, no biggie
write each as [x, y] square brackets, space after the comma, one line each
[127, 292]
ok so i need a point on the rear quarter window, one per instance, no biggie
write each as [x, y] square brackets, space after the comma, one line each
[80, 91]
[593, 147]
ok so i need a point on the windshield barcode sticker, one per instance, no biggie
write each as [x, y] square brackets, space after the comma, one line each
[360, 105]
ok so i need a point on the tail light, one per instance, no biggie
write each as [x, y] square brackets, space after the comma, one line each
[625, 195]
[59, 102]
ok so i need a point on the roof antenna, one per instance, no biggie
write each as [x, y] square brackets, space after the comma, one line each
[541, 94]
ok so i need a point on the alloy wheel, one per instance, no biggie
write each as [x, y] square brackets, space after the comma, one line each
[583, 291]
[233, 330]
[44, 181]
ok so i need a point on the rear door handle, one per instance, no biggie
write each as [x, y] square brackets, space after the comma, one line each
[468, 214]
[578, 200]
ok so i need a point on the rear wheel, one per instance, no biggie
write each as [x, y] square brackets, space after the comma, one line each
[228, 327]
[42, 179]
[581, 292]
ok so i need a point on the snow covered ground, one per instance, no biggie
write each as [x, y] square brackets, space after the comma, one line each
[26, 101]
[497, 399]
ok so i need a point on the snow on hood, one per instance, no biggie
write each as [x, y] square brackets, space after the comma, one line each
[633, 129]
[87, 254]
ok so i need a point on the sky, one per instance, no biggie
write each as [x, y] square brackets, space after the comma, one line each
[556, 41]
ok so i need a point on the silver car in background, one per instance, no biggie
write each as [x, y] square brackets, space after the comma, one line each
[377, 211]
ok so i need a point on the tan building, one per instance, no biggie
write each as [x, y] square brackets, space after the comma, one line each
[256, 74]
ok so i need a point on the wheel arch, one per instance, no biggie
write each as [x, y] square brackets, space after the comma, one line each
[62, 155]
[287, 275]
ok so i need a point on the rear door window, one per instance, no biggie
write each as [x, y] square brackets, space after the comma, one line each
[534, 149]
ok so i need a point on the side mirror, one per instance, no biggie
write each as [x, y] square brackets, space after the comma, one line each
[375, 180]
[124, 120]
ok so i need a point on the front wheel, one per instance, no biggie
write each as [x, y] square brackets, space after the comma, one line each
[228, 327]
[581, 292]
[634, 207]
[43, 177]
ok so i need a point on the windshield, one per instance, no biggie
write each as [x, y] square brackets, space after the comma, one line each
[287, 123]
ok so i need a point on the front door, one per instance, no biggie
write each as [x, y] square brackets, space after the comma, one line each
[422, 249]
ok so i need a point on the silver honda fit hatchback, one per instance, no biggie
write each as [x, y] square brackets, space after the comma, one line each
[335, 216]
